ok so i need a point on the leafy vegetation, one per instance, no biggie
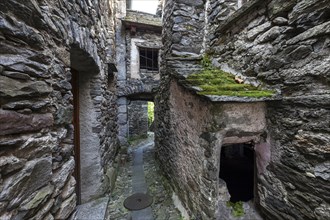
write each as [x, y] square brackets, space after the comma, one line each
[151, 115]
[214, 81]
[237, 208]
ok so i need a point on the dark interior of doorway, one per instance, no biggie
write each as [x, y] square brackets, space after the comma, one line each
[237, 170]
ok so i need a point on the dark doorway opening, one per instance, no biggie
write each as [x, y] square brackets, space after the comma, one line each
[76, 124]
[237, 170]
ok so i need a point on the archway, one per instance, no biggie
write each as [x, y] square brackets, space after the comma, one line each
[140, 109]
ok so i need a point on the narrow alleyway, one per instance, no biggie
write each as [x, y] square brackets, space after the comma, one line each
[140, 173]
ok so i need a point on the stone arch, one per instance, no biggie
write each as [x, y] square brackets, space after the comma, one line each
[133, 91]
[138, 90]
[86, 89]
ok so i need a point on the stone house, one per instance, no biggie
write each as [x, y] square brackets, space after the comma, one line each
[263, 123]
[138, 50]
[58, 130]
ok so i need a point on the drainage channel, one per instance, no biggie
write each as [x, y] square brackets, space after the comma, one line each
[139, 202]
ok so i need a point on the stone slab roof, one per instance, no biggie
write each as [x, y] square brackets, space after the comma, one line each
[141, 19]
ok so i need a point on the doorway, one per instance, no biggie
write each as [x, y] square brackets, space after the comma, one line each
[237, 169]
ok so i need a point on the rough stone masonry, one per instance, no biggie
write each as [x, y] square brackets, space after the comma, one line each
[41, 44]
[281, 45]
[55, 83]
[136, 85]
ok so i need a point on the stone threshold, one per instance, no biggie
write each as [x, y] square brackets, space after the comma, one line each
[95, 209]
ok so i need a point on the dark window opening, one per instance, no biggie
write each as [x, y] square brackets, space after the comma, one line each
[237, 170]
[148, 59]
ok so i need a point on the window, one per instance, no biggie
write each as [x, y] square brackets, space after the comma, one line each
[148, 59]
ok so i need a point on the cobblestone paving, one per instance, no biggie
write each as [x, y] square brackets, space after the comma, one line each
[162, 207]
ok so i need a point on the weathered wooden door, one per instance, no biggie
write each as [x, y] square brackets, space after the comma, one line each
[75, 91]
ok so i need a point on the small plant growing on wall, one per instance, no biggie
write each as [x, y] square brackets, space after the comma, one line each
[206, 62]
[237, 208]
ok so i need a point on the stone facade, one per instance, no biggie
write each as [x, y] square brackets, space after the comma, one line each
[138, 30]
[40, 45]
[280, 44]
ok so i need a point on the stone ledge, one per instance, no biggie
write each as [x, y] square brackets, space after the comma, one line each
[215, 98]
[95, 209]
[143, 20]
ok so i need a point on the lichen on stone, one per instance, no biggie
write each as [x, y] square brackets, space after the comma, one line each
[213, 81]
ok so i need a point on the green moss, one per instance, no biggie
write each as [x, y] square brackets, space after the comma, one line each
[206, 62]
[214, 81]
[237, 208]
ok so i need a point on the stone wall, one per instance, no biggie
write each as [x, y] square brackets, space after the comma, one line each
[138, 30]
[176, 129]
[198, 129]
[138, 119]
[281, 44]
[286, 44]
[39, 44]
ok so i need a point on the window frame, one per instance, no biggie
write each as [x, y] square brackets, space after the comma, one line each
[153, 64]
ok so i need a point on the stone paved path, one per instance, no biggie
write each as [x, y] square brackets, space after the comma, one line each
[141, 174]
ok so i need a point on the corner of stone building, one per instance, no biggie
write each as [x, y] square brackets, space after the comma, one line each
[40, 44]
[261, 42]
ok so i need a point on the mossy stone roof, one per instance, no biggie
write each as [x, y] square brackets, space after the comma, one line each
[218, 85]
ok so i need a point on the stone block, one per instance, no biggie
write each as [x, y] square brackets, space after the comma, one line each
[93, 210]
[280, 7]
[11, 88]
[121, 101]
[29, 104]
[9, 164]
[64, 114]
[66, 208]
[122, 109]
[17, 75]
[323, 171]
[37, 198]
[44, 210]
[19, 186]
[12, 122]
[69, 188]
[61, 175]
[253, 33]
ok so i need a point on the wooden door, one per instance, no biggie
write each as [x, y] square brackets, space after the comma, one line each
[75, 91]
